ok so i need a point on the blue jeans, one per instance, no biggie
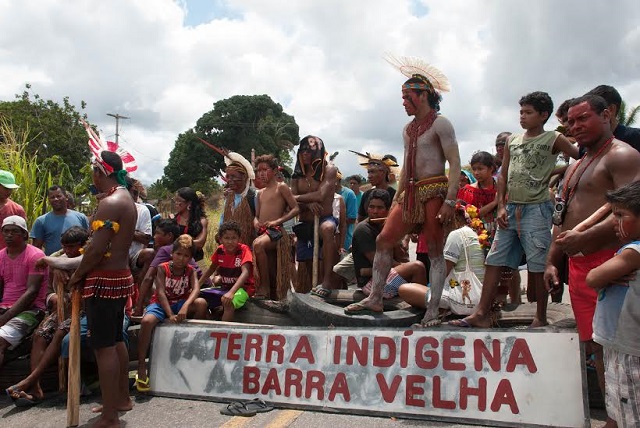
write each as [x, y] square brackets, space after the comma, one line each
[529, 230]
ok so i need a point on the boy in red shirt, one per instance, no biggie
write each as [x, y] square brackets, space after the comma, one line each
[232, 263]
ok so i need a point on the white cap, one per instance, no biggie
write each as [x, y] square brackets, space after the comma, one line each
[16, 220]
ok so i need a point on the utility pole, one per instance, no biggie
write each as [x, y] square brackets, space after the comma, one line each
[117, 117]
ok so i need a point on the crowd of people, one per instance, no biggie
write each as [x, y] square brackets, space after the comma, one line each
[581, 229]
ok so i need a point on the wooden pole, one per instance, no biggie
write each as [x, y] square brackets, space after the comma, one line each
[316, 250]
[73, 389]
[62, 373]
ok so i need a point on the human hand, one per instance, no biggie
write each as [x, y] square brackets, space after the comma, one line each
[173, 319]
[137, 311]
[269, 224]
[75, 283]
[551, 279]
[570, 242]
[445, 215]
[502, 218]
[182, 314]
[315, 208]
[227, 298]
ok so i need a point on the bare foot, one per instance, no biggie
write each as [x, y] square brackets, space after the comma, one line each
[124, 408]
[365, 307]
[537, 323]
[106, 423]
[472, 321]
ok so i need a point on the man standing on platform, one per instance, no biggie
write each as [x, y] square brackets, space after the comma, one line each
[425, 197]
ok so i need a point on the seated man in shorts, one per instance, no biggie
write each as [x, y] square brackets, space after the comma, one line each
[24, 287]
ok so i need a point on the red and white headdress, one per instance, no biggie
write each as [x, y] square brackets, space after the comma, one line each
[97, 146]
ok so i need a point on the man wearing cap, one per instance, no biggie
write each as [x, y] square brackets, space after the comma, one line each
[107, 284]
[7, 206]
[425, 197]
[24, 287]
[48, 228]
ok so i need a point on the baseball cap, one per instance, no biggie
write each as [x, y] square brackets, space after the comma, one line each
[8, 180]
[15, 220]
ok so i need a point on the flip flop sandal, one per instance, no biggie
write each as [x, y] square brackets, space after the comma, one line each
[237, 408]
[258, 405]
[142, 385]
[321, 292]
[12, 390]
[359, 309]
[26, 402]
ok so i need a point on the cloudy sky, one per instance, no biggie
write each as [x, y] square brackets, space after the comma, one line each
[164, 63]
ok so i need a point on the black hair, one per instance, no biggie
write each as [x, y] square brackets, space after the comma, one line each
[502, 135]
[356, 177]
[596, 102]
[113, 160]
[484, 158]
[563, 109]
[74, 235]
[609, 93]
[627, 197]
[540, 101]
[433, 97]
[169, 226]
[270, 160]
[381, 194]
[229, 225]
[196, 212]
[56, 187]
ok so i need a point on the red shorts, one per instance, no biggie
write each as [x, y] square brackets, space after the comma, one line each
[584, 298]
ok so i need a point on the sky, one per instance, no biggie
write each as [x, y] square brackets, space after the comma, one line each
[164, 63]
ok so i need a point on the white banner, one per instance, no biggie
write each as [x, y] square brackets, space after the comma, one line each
[495, 377]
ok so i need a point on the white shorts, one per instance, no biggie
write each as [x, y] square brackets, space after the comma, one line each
[20, 326]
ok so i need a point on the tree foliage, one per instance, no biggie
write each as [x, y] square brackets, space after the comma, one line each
[53, 129]
[239, 124]
[627, 117]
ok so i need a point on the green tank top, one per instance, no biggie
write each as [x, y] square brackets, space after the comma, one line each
[531, 163]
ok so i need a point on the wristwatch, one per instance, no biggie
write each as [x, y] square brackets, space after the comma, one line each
[450, 202]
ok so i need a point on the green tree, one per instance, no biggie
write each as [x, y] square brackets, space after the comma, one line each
[53, 129]
[627, 117]
[239, 124]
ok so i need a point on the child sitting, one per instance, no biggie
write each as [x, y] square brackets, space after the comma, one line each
[232, 264]
[176, 297]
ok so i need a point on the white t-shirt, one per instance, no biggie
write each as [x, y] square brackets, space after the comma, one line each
[454, 251]
[142, 225]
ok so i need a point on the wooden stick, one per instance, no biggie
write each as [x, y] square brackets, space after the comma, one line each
[316, 248]
[378, 220]
[594, 218]
[62, 372]
[73, 388]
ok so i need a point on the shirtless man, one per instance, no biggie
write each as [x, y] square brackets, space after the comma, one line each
[608, 164]
[276, 204]
[426, 198]
[313, 185]
[106, 281]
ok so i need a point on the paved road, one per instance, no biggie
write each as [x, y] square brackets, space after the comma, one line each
[157, 412]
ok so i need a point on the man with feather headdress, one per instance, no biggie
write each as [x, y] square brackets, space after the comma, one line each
[239, 205]
[313, 185]
[425, 197]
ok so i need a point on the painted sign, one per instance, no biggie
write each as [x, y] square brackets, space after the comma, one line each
[494, 376]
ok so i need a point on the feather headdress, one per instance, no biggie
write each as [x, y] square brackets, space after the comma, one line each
[97, 146]
[234, 160]
[416, 67]
[365, 159]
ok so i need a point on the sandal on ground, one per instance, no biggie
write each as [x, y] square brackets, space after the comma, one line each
[321, 292]
[142, 385]
[237, 408]
[258, 405]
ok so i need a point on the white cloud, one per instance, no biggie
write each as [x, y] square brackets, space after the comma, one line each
[321, 60]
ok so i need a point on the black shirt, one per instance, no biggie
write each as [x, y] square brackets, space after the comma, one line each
[364, 241]
[629, 135]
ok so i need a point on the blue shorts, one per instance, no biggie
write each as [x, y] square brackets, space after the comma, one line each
[156, 310]
[304, 248]
[529, 230]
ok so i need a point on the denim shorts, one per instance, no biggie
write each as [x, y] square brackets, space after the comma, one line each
[529, 231]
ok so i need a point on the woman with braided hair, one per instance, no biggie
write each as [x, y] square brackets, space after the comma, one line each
[191, 217]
